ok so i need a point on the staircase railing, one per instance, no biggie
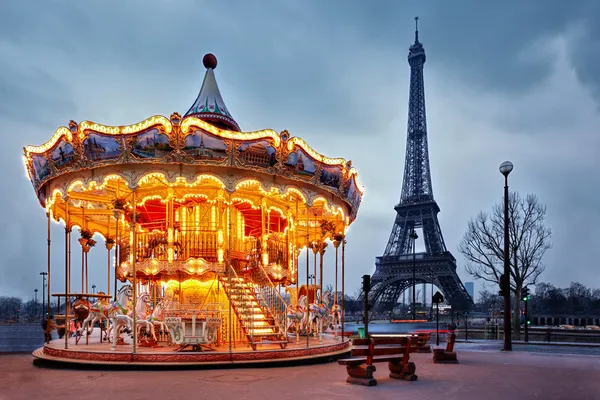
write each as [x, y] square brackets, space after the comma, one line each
[271, 298]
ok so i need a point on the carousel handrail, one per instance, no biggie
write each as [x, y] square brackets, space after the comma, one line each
[273, 310]
[283, 302]
[271, 284]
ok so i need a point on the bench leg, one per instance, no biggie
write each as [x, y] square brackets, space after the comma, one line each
[407, 373]
[361, 375]
[441, 356]
[425, 348]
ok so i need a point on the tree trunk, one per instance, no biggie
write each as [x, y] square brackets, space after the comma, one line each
[516, 315]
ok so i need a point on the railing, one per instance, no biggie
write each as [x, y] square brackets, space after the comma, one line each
[200, 243]
[271, 298]
[277, 249]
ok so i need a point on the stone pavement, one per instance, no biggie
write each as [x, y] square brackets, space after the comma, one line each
[484, 375]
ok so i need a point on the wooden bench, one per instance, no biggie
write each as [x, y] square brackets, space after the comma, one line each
[423, 338]
[447, 355]
[393, 350]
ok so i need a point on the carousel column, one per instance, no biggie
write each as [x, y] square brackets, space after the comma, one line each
[220, 238]
[83, 242]
[229, 270]
[67, 273]
[322, 247]
[170, 226]
[117, 215]
[343, 287]
[264, 256]
[336, 243]
[48, 309]
[109, 243]
[296, 253]
[315, 250]
[290, 248]
[307, 281]
[133, 247]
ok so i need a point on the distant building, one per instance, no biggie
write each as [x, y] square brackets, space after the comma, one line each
[470, 289]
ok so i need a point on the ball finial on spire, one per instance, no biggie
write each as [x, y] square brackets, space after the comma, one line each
[210, 61]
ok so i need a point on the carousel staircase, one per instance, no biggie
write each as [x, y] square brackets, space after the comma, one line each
[256, 320]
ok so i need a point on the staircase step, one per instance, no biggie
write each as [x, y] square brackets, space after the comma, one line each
[265, 334]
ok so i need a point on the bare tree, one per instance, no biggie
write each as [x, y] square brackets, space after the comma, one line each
[529, 238]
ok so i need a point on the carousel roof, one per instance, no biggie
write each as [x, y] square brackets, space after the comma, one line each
[209, 105]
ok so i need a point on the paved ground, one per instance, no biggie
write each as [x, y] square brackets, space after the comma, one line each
[484, 375]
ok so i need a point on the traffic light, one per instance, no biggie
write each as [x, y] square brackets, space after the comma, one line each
[366, 283]
[503, 285]
[525, 294]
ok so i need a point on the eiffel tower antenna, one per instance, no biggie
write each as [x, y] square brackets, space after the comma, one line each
[401, 267]
[416, 29]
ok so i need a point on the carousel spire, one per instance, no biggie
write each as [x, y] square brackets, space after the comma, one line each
[209, 104]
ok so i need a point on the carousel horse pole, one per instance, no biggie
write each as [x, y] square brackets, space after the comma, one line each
[118, 313]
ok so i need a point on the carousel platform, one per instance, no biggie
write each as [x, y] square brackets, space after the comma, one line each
[101, 355]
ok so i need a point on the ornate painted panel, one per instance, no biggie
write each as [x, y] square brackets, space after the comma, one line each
[203, 146]
[258, 153]
[63, 155]
[97, 147]
[151, 145]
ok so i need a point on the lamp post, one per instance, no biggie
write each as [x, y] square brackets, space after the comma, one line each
[505, 168]
[414, 237]
[35, 296]
[43, 274]
[94, 289]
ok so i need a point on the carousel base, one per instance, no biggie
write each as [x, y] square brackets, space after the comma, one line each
[100, 354]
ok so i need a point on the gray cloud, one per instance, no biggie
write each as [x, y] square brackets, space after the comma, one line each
[506, 80]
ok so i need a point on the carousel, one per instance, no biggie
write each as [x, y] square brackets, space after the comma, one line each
[214, 239]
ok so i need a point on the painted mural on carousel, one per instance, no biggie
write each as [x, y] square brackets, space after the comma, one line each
[204, 145]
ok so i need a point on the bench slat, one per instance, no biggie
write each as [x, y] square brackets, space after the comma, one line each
[378, 350]
[386, 341]
[362, 360]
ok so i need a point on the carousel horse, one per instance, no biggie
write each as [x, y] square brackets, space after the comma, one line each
[98, 312]
[81, 310]
[336, 316]
[118, 314]
[319, 313]
[142, 316]
[296, 314]
[157, 318]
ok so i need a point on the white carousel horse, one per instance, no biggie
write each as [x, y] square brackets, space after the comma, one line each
[295, 315]
[98, 313]
[302, 303]
[336, 317]
[142, 316]
[118, 313]
[319, 313]
[158, 316]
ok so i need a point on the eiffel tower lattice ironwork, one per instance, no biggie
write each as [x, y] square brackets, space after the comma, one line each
[417, 209]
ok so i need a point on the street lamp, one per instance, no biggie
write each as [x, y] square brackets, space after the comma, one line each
[35, 296]
[414, 237]
[44, 274]
[505, 168]
[94, 289]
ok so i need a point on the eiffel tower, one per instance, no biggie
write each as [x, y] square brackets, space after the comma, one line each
[417, 209]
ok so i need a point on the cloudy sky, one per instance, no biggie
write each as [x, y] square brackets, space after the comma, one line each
[504, 80]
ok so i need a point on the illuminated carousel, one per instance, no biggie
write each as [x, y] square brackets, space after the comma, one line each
[203, 227]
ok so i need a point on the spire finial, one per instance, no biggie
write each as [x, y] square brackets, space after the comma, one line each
[416, 29]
